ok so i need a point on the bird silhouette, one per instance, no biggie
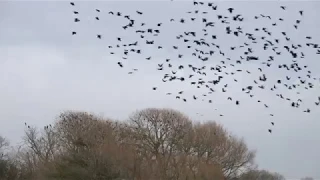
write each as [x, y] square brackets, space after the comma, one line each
[301, 13]
[204, 45]
[120, 64]
[230, 10]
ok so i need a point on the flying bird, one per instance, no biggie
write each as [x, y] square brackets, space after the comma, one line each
[301, 13]
[230, 10]
[204, 45]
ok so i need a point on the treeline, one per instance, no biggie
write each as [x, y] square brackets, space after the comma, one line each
[152, 144]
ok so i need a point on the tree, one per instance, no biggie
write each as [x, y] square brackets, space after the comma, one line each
[87, 148]
[8, 168]
[156, 134]
[4, 164]
[214, 143]
[307, 178]
[153, 143]
[261, 175]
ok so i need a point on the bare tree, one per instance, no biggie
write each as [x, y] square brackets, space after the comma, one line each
[87, 147]
[261, 175]
[3, 145]
[43, 143]
[3, 161]
[157, 134]
[307, 178]
[213, 143]
[8, 167]
[153, 143]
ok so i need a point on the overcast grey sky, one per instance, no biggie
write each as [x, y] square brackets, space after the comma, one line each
[44, 70]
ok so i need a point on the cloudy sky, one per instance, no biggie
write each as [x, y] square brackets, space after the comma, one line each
[45, 70]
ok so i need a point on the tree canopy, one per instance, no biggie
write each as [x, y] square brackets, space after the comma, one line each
[151, 143]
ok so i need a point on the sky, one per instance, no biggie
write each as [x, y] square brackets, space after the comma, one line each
[44, 70]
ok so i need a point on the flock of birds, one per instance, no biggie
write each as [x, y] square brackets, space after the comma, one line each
[203, 46]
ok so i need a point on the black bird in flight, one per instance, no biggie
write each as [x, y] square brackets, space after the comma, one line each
[196, 45]
[230, 10]
[301, 13]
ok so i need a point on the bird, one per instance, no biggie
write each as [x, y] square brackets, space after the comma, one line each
[301, 13]
[307, 110]
[154, 88]
[206, 48]
[270, 131]
[230, 10]
[120, 64]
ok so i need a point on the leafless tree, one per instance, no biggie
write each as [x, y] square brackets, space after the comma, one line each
[261, 175]
[307, 178]
[157, 134]
[153, 143]
[3, 145]
[42, 143]
[214, 143]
